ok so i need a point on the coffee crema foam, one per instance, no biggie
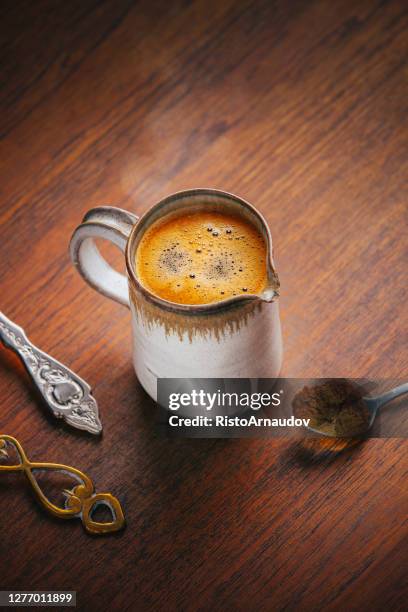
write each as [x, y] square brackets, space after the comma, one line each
[201, 257]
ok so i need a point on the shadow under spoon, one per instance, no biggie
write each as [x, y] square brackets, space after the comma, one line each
[67, 396]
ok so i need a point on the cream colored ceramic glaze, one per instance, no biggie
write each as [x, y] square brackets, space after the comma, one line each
[242, 344]
[232, 338]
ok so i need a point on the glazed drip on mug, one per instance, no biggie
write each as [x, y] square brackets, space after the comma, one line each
[202, 257]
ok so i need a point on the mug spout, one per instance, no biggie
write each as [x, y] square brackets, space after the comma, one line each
[269, 295]
[271, 291]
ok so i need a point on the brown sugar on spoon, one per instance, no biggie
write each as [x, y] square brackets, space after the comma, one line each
[335, 407]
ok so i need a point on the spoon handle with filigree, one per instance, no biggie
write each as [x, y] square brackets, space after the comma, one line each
[67, 395]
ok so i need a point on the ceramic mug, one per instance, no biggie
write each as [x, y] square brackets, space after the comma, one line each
[233, 338]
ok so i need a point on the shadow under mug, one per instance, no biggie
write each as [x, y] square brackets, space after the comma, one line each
[239, 337]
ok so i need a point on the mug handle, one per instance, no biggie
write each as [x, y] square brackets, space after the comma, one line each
[115, 225]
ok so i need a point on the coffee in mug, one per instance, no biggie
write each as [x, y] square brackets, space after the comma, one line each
[201, 257]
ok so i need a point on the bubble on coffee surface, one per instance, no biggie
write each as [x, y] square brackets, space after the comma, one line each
[194, 259]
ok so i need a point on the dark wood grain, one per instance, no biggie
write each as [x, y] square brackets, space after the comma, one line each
[301, 108]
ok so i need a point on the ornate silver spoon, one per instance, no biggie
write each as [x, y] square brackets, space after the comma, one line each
[66, 394]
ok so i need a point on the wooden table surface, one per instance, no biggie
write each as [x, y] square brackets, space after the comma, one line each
[299, 107]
